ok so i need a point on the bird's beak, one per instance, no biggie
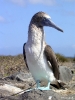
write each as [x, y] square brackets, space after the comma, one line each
[51, 24]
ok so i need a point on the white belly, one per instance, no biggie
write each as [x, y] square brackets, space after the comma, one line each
[38, 67]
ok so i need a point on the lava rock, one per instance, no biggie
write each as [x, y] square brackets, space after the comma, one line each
[65, 74]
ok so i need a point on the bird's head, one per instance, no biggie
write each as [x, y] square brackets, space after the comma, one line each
[42, 19]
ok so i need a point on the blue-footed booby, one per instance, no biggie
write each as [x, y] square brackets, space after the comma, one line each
[40, 58]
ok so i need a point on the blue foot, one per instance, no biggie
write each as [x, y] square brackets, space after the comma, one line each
[43, 88]
[39, 88]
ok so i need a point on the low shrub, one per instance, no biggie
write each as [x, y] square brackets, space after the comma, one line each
[61, 58]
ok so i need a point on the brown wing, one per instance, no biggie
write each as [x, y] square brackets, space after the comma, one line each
[50, 55]
[24, 55]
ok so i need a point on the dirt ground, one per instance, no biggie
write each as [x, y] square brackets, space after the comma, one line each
[13, 64]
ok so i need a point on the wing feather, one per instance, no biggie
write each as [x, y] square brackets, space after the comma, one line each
[24, 55]
[51, 57]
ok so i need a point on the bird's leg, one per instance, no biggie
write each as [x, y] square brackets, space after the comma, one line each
[48, 86]
[43, 88]
[38, 83]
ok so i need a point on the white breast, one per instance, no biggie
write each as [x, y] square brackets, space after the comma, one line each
[38, 66]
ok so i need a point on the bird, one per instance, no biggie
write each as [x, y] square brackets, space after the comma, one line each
[39, 57]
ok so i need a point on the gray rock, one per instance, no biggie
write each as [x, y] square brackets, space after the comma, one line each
[35, 95]
[72, 86]
[1, 76]
[65, 74]
[24, 76]
[74, 65]
[39, 95]
[20, 76]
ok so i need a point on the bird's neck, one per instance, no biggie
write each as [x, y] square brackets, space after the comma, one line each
[35, 34]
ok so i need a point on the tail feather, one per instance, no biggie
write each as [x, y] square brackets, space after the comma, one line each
[58, 84]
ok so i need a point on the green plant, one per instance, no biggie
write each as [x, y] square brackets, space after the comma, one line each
[61, 58]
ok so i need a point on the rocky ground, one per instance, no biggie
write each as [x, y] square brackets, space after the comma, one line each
[15, 79]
